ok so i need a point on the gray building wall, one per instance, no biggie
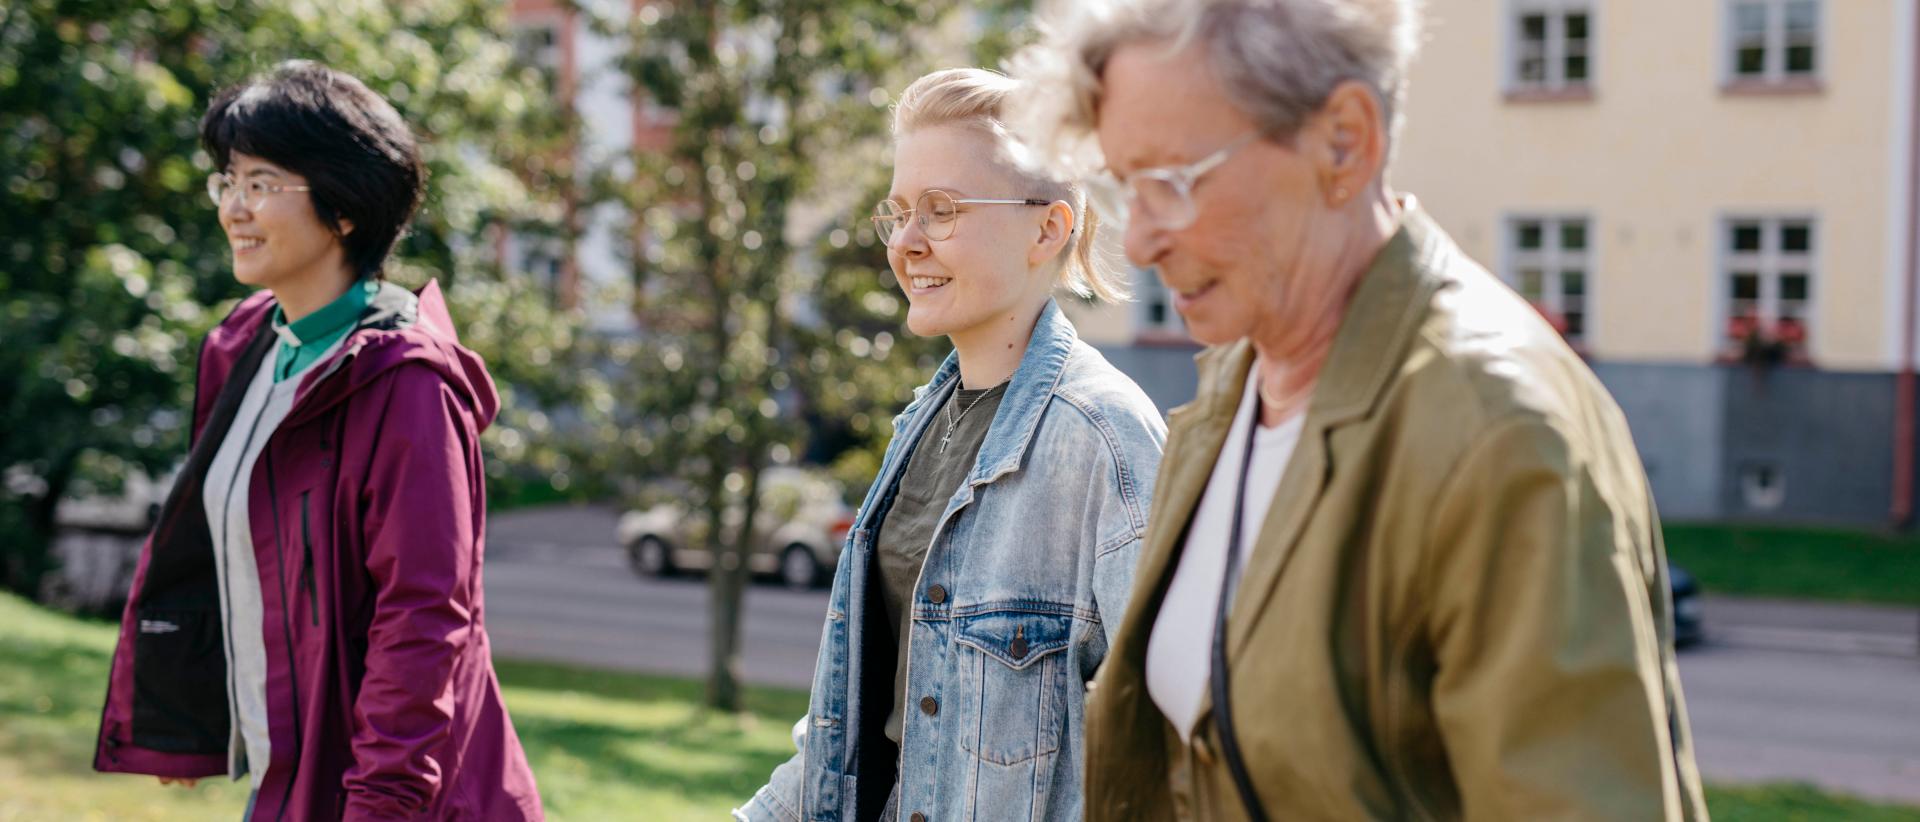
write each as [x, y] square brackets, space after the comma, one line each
[1825, 437]
[1675, 412]
[1166, 372]
[1719, 442]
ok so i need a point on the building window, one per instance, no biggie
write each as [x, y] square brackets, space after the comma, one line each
[1552, 46]
[1769, 287]
[539, 256]
[1548, 263]
[537, 45]
[1773, 42]
[1158, 321]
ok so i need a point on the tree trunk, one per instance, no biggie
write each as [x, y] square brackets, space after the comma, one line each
[727, 585]
[724, 601]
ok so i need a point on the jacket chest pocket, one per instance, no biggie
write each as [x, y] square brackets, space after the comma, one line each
[305, 540]
[1016, 671]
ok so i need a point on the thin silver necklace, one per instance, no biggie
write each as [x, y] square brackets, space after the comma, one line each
[953, 421]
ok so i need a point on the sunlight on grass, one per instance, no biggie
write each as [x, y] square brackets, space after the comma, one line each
[604, 746]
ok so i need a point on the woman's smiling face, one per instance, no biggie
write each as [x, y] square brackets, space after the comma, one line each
[983, 272]
[280, 237]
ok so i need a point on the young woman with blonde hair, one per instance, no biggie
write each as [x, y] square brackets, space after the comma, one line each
[994, 553]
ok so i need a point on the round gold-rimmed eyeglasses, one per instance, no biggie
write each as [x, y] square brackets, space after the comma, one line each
[935, 212]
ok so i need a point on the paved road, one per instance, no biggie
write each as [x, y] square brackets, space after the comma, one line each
[1848, 722]
[589, 609]
[1823, 694]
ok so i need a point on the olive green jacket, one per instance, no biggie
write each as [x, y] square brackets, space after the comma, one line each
[1457, 605]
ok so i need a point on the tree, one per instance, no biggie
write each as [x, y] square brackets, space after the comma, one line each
[761, 291]
[113, 265]
[761, 88]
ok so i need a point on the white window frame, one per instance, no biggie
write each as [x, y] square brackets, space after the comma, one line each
[1552, 260]
[1773, 69]
[1150, 292]
[1769, 263]
[1556, 12]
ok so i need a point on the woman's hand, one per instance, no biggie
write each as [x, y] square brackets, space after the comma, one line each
[183, 782]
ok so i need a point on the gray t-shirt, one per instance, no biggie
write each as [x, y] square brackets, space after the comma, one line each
[228, 480]
[940, 462]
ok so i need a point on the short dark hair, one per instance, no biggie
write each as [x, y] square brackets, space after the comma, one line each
[360, 158]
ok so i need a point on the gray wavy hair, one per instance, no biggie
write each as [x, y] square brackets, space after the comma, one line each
[1277, 59]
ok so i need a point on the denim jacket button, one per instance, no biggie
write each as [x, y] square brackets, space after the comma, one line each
[929, 705]
[937, 594]
[918, 817]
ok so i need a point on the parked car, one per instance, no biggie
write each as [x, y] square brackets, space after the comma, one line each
[1688, 625]
[802, 524]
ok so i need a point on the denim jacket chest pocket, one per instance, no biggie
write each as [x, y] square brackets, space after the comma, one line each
[1011, 659]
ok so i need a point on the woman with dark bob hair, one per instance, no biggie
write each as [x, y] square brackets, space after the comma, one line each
[307, 612]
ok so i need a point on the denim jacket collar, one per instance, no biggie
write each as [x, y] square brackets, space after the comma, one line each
[1032, 386]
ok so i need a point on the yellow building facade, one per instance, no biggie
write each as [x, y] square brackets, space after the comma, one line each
[1663, 148]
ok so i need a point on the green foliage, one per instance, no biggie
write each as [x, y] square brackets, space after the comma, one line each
[772, 330]
[113, 266]
[767, 95]
[775, 324]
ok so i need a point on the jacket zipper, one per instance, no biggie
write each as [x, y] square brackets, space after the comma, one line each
[306, 561]
[293, 667]
[273, 493]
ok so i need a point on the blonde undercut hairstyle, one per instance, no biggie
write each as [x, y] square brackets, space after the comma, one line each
[1278, 60]
[978, 98]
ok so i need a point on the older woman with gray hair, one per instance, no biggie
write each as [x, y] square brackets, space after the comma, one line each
[1402, 561]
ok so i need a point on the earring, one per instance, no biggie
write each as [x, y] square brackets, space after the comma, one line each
[1340, 195]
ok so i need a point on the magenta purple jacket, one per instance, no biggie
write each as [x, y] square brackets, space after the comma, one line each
[369, 517]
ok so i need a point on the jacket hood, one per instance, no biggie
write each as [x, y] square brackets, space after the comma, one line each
[400, 328]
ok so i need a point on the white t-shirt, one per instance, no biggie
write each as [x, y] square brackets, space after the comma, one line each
[1180, 650]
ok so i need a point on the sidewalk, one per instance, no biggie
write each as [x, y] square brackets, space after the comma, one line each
[1819, 627]
[571, 533]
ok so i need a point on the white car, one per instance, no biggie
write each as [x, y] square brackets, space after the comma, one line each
[800, 530]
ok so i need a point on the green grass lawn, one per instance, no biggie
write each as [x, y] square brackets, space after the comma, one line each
[604, 746]
[1800, 563]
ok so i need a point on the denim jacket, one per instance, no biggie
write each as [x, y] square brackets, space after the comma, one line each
[1016, 605]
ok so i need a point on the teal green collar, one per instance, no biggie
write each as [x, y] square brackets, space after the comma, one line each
[332, 318]
[302, 343]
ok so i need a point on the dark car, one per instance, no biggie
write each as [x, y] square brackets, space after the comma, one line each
[1687, 623]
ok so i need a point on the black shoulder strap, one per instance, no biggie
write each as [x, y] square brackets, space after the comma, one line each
[1219, 684]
